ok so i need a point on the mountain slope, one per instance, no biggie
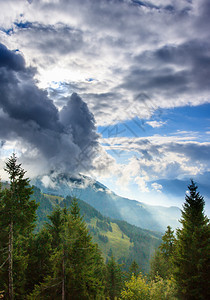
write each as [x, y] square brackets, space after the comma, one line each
[108, 203]
[126, 242]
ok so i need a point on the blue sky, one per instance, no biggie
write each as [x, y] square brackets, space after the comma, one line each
[167, 121]
[116, 90]
[187, 124]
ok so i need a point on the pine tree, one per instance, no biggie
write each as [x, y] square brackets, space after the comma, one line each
[39, 262]
[158, 266]
[17, 220]
[167, 244]
[134, 269]
[191, 257]
[86, 260]
[161, 263]
[114, 281]
[76, 265]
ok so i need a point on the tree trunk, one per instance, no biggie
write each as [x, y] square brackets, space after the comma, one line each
[10, 260]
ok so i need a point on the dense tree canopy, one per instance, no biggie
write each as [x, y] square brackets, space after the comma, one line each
[75, 264]
[60, 261]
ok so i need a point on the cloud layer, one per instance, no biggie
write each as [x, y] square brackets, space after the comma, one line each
[113, 52]
[63, 140]
[157, 157]
[125, 59]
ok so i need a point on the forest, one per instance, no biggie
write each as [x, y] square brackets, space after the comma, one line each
[57, 257]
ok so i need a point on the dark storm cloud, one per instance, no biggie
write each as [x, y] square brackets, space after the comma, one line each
[202, 22]
[77, 117]
[172, 70]
[2, 143]
[194, 55]
[101, 101]
[28, 115]
[11, 59]
[197, 152]
[144, 4]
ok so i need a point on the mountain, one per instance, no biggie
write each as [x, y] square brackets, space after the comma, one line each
[125, 241]
[108, 203]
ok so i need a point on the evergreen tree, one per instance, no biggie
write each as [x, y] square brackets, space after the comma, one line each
[134, 269]
[167, 244]
[86, 260]
[158, 266]
[114, 281]
[39, 262]
[75, 262]
[17, 220]
[191, 257]
[161, 263]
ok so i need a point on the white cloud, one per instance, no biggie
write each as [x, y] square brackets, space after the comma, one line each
[161, 157]
[71, 41]
[141, 184]
[140, 59]
[156, 124]
[157, 187]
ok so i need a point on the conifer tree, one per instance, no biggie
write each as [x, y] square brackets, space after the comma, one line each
[191, 259]
[167, 244]
[134, 269]
[161, 263]
[17, 220]
[76, 263]
[114, 281]
[39, 262]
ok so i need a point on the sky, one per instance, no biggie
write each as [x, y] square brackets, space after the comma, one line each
[114, 89]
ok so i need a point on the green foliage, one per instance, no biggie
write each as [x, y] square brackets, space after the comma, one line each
[163, 289]
[103, 225]
[161, 262]
[17, 221]
[167, 245]
[114, 279]
[39, 263]
[16, 204]
[75, 265]
[103, 238]
[186, 258]
[134, 269]
[127, 242]
[136, 289]
[139, 288]
[191, 258]
[159, 265]
[44, 209]
[87, 211]
[144, 242]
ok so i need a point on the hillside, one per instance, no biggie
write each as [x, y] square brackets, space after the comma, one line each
[108, 203]
[126, 242]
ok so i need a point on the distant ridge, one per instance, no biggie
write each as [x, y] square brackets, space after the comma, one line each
[114, 237]
[108, 203]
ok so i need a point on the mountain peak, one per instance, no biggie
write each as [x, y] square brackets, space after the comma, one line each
[107, 202]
